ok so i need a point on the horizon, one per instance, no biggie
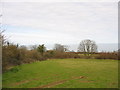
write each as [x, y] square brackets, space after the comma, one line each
[102, 47]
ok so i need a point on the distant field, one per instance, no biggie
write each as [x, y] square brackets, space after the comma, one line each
[64, 73]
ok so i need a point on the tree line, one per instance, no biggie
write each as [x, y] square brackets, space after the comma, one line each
[14, 54]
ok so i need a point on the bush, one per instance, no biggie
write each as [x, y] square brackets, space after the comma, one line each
[108, 55]
[13, 55]
[14, 70]
[10, 56]
[64, 55]
[31, 56]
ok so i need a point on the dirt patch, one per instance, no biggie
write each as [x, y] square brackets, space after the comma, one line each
[80, 77]
[52, 84]
[59, 82]
[25, 81]
[86, 81]
[113, 84]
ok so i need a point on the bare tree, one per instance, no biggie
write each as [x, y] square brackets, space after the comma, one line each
[60, 48]
[33, 47]
[2, 38]
[87, 47]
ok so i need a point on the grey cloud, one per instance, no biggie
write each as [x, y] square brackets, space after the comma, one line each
[79, 20]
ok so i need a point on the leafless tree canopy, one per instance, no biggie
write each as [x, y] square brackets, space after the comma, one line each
[87, 46]
[2, 38]
[33, 47]
[60, 48]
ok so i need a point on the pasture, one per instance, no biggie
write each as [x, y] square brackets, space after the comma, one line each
[64, 73]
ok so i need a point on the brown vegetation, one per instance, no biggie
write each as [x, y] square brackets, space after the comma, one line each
[15, 55]
[107, 55]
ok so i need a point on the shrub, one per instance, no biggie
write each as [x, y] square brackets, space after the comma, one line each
[32, 55]
[10, 56]
[13, 55]
[65, 55]
[108, 55]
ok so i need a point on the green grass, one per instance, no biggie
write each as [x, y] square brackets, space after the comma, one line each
[64, 73]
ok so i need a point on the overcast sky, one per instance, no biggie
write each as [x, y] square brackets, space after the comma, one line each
[29, 23]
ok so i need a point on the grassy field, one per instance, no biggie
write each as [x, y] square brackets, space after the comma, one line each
[64, 73]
